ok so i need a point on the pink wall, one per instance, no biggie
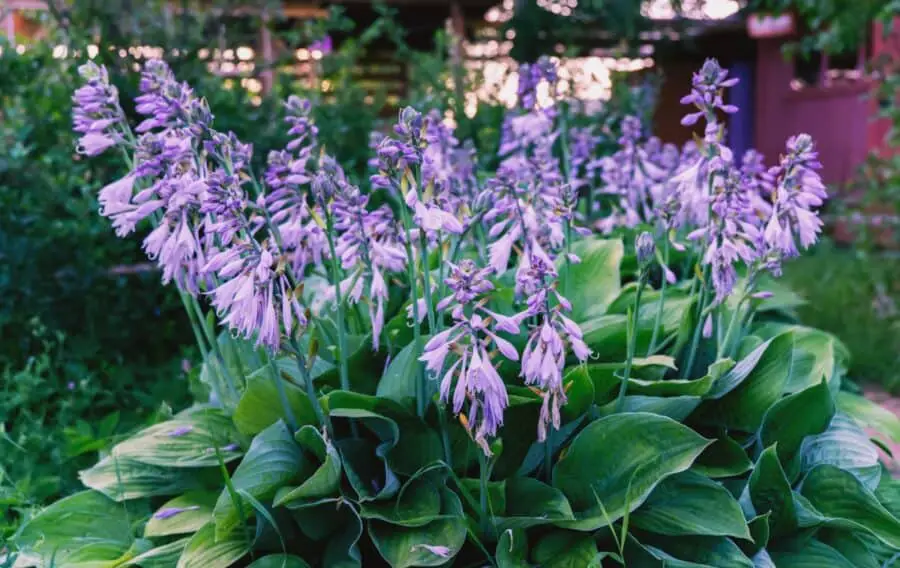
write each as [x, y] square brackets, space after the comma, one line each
[836, 117]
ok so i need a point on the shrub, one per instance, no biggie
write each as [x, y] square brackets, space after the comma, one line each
[476, 378]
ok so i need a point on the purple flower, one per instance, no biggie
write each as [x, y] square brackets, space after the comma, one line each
[532, 75]
[169, 512]
[96, 113]
[167, 103]
[706, 93]
[324, 45]
[553, 334]
[468, 342]
[180, 431]
[798, 191]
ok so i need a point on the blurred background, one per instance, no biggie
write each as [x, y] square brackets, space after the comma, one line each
[85, 326]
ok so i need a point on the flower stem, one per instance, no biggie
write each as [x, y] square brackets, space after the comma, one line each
[697, 329]
[310, 387]
[282, 396]
[634, 316]
[336, 278]
[657, 321]
[417, 335]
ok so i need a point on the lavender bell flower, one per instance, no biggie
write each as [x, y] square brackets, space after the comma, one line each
[530, 76]
[708, 85]
[96, 113]
[169, 512]
[468, 343]
[167, 103]
[544, 356]
[798, 190]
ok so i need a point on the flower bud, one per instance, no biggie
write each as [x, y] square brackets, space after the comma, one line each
[645, 247]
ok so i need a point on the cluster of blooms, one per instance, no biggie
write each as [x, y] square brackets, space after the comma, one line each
[97, 114]
[531, 76]
[470, 339]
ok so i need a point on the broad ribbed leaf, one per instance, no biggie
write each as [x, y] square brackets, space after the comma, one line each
[770, 492]
[677, 408]
[324, 481]
[566, 549]
[839, 495]
[164, 556]
[794, 417]
[744, 406]
[261, 406]
[723, 458]
[430, 545]
[869, 414]
[696, 552]
[181, 515]
[592, 284]
[813, 554]
[416, 505]
[186, 441]
[844, 445]
[691, 504]
[272, 460]
[400, 378]
[618, 460]
[123, 478]
[530, 503]
[204, 550]
[512, 549]
[279, 561]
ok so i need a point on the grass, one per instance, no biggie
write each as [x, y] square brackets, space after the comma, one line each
[855, 296]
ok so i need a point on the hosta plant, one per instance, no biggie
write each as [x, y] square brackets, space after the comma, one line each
[569, 361]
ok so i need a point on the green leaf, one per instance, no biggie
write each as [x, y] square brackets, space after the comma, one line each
[644, 371]
[696, 551]
[187, 441]
[566, 549]
[770, 492]
[279, 561]
[123, 479]
[723, 458]
[690, 504]
[594, 283]
[744, 406]
[164, 556]
[272, 460]
[400, 378]
[813, 554]
[579, 391]
[512, 549]
[418, 503]
[195, 508]
[839, 495]
[204, 550]
[844, 445]
[430, 545]
[607, 338]
[530, 503]
[86, 524]
[794, 417]
[739, 372]
[325, 481]
[817, 354]
[617, 461]
[869, 414]
[675, 407]
[260, 406]
[850, 546]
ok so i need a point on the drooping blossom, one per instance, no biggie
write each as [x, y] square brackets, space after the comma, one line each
[96, 113]
[166, 103]
[707, 88]
[798, 190]
[531, 76]
[549, 341]
[467, 347]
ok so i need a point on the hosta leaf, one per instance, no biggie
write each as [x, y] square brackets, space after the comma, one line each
[838, 494]
[261, 406]
[187, 441]
[512, 549]
[762, 560]
[817, 354]
[416, 505]
[770, 492]
[794, 417]
[279, 561]
[723, 458]
[400, 378]
[164, 556]
[324, 481]
[691, 504]
[430, 545]
[607, 338]
[272, 460]
[594, 283]
[869, 414]
[566, 549]
[743, 407]
[675, 407]
[204, 550]
[812, 554]
[738, 372]
[851, 546]
[615, 462]
[696, 552]
[530, 502]
[844, 445]
[123, 478]
[82, 526]
[184, 514]
[579, 391]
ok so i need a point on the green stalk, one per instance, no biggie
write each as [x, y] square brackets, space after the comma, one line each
[282, 396]
[726, 342]
[634, 316]
[216, 353]
[417, 334]
[310, 387]
[697, 329]
[657, 321]
[336, 278]
[483, 485]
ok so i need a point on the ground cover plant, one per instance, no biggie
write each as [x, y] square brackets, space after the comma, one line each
[568, 361]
